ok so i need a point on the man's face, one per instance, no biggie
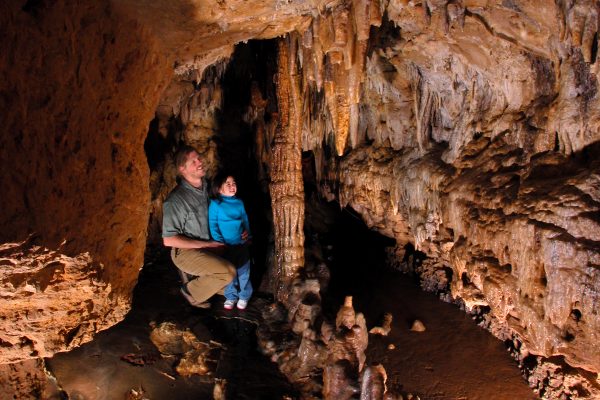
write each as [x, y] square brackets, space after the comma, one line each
[193, 169]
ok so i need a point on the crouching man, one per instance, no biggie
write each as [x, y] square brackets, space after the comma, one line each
[185, 229]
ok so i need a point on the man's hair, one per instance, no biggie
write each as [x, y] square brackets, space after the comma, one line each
[181, 155]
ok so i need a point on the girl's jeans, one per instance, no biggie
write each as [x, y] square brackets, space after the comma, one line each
[240, 287]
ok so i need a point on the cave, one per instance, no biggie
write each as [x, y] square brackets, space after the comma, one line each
[422, 181]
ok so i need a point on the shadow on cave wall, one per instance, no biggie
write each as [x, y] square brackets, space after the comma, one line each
[235, 140]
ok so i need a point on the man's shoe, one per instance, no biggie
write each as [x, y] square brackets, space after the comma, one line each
[242, 304]
[228, 305]
[193, 302]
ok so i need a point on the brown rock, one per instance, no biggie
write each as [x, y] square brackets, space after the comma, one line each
[346, 316]
[417, 326]
[53, 302]
[385, 327]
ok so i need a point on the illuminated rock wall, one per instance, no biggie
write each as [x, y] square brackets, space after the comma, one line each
[472, 133]
[467, 128]
[477, 143]
[78, 89]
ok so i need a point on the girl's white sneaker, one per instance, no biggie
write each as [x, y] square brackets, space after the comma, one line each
[228, 305]
[242, 304]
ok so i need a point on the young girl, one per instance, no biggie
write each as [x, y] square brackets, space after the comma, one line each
[227, 220]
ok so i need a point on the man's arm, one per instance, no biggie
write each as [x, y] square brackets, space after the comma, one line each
[184, 242]
[246, 234]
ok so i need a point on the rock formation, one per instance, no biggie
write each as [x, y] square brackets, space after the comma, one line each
[56, 301]
[477, 144]
[75, 177]
[286, 187]
[192, 355]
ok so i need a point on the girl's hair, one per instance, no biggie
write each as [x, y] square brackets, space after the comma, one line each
[217, 182]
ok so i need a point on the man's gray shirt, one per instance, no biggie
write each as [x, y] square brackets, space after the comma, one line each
[185, 212]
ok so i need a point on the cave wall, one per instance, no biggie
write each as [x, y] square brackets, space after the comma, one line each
[79, 85]
[503, 116]
[477, 143]
[468, 128]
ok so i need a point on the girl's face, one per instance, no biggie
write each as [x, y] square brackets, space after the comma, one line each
[228, 188]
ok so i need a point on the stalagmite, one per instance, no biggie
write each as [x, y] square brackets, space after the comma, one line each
[346, 315]
[385, 327]
[373, 383]
[287, 191]
[338, 381]
[417, 326]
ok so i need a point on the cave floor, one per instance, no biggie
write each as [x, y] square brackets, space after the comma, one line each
[97, 371]
[452, 359]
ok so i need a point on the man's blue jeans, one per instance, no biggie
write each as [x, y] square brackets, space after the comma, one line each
[240, 288]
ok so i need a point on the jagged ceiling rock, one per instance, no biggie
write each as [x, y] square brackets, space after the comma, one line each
[188, 30]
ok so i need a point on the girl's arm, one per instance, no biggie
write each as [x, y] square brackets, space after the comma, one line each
[213, 222]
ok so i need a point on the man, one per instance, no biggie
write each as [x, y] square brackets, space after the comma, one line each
[185, 229]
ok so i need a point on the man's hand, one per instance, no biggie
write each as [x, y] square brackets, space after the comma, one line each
[245, 236]
[211, 244]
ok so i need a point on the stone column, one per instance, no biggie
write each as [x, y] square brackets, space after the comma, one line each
[287, 187]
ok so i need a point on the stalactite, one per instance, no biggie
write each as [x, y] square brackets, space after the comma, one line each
[286, 188]
[320, 72]
[426, 104]
[333, 50]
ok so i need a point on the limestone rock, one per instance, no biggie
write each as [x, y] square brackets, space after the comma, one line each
[417, 326]
[28, 379]
[192, 353]
[385, 327]
[75, 173]
[373, 383]
[53, 302]
[346, 316]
